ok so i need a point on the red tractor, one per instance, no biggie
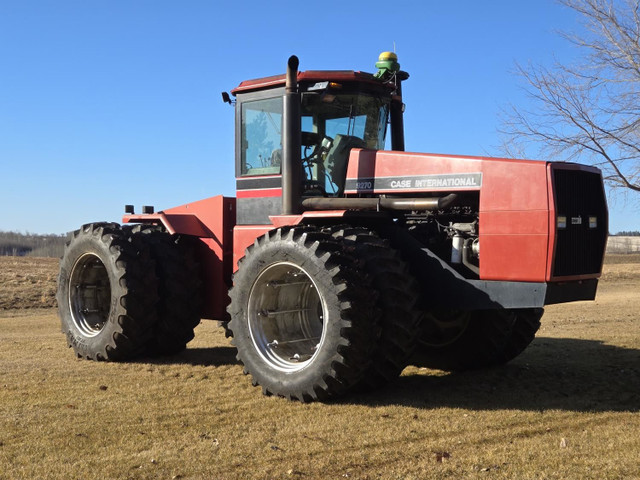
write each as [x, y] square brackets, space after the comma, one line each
[339, 263]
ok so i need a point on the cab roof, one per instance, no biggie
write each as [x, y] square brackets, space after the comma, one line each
[310, 76]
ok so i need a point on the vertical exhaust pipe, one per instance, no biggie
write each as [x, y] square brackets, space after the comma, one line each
[397, 120]
[291, 132]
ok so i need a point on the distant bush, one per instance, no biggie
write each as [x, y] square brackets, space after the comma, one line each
[29, 244]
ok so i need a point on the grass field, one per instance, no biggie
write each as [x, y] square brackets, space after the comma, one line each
[568, 408]
[27, 282]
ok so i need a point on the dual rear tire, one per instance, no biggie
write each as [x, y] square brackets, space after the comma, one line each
[117, 295]
[179, 287]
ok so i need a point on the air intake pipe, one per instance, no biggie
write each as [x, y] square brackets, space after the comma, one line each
[381, 203]
[291, 133]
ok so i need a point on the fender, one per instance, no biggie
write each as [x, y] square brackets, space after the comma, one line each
[211, 221]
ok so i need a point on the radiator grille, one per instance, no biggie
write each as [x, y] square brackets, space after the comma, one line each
[579, 195]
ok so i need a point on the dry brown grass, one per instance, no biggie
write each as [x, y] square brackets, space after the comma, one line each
[27, 282]
[568, 408]
[616, 258]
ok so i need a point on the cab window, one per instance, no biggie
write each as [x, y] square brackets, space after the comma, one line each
[261, 137]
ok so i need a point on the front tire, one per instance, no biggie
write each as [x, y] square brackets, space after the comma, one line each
[301, 316]
[459, 340]
[106, 294]
[400, 318]
[525, 327]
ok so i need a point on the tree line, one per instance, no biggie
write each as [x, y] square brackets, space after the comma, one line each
[30, 244]
[35, 245]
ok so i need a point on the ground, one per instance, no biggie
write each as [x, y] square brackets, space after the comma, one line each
[27, 282]
[566, 408]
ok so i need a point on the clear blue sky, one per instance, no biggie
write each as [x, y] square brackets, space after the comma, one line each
[104, 103]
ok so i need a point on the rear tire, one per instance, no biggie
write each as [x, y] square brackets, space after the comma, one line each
[459, 341]
[106, 294]
[301, 316]
[178, 289]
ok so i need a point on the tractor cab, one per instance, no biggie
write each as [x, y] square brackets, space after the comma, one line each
[338, 111]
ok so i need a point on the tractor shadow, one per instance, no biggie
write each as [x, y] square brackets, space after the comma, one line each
[553, 373]
[202, 357]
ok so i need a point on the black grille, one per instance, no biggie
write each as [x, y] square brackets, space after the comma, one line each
[579, 195]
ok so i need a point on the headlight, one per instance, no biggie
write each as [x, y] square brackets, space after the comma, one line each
[562, 221]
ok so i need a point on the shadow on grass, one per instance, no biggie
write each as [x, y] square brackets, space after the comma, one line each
[553, 373]
[204, 357]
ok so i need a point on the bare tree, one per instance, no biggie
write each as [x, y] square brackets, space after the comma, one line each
[591, 110]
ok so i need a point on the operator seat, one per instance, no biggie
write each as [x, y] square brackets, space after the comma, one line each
[336, 161]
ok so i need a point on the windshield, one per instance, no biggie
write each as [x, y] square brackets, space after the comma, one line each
[333, 124]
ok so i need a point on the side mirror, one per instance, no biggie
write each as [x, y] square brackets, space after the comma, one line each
[226, 98]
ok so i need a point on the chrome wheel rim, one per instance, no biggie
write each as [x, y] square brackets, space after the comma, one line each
[89, 295]
[286, 317]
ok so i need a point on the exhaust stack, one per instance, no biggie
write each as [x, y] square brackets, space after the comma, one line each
[291, 132]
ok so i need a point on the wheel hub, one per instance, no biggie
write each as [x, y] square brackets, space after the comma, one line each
[286, 317]
[89, 295]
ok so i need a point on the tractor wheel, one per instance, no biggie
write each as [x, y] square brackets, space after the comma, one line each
[106, 294]
[178, 288]
[525, 327]
[302, 317]
[458, 341]
[400, 319]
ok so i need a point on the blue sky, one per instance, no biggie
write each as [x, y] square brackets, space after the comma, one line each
[104, 103]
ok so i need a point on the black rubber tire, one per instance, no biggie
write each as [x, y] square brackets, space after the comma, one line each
[480, 338]
[400, 319]
[107, 294]
[348, 319]
[525, 327]
[179, 288]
